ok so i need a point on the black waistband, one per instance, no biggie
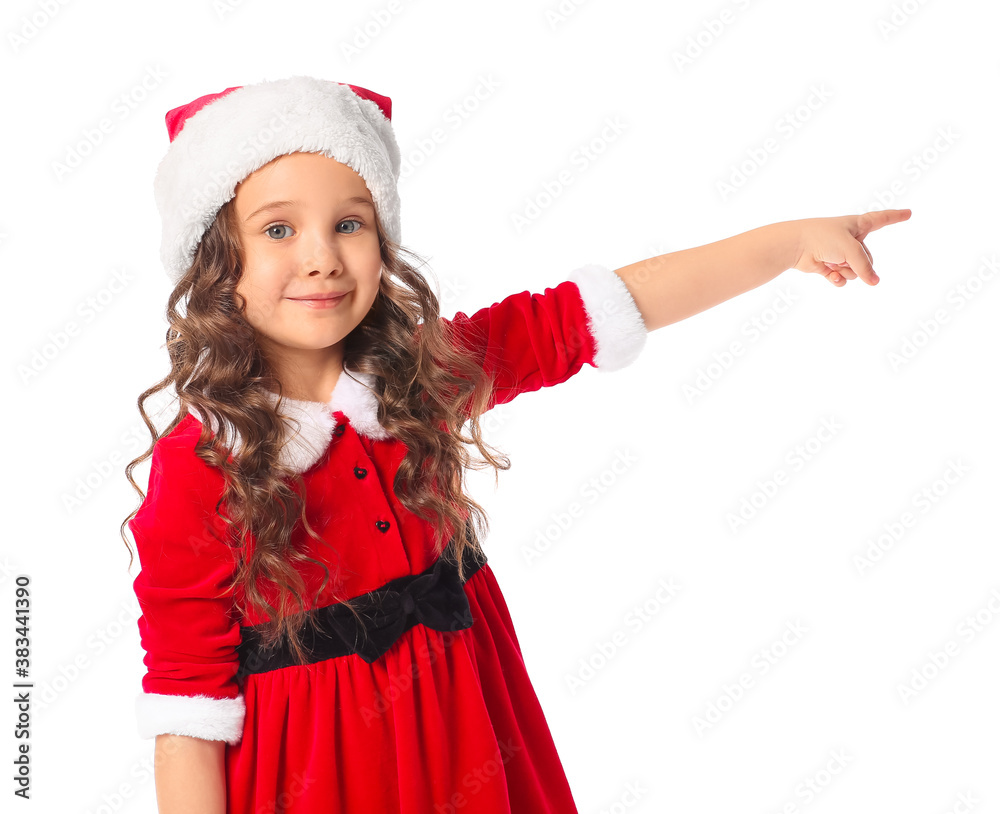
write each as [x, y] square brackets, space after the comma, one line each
[435, 597]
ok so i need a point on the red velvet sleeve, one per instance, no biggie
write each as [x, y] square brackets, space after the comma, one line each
[188, 627]
[529, 341]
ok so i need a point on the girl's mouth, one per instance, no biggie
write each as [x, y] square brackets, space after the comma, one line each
[327, 303]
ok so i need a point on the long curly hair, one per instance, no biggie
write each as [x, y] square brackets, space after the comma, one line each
[426, 386]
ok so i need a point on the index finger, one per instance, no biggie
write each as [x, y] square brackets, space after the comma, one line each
[884, 217]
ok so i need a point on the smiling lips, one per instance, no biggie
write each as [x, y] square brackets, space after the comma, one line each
[320, 299]
[321, 295]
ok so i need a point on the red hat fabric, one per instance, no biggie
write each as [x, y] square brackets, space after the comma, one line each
[218, 139]
[176, 117]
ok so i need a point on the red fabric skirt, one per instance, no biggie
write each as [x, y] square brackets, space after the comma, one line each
[443, 722]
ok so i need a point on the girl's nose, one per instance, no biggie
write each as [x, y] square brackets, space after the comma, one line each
[321, 253]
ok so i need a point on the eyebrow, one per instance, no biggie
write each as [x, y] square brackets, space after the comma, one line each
[357, 199]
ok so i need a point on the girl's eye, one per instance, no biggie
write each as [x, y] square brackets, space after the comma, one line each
[276, 226]
[270, 229]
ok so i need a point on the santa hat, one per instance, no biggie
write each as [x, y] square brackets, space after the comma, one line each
[219, 139]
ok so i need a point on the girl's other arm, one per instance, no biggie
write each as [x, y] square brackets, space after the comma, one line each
[190, 775]
[675, 286]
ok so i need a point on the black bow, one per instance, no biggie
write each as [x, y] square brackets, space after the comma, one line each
[435, 598]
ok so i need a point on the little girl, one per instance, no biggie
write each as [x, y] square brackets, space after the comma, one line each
[322, 631]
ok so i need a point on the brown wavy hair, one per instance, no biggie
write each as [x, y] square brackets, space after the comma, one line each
[426, 386]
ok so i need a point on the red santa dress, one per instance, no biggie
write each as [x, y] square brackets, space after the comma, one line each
[436, 720]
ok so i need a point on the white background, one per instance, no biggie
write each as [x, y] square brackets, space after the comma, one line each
[894, 77]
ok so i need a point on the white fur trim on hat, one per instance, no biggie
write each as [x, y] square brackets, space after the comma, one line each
[613, 318]
[240, 132]
[198, 716]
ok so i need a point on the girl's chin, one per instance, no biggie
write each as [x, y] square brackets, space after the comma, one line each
[299, 342]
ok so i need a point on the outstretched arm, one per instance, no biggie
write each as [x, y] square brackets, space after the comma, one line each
[675, 286]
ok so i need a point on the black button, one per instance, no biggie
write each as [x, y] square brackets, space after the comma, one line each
[359, 472]
[339, 429]
[382, 525]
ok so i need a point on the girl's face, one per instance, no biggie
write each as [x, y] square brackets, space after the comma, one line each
[307, 227]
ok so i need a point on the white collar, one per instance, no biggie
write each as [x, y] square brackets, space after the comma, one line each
[313, 422]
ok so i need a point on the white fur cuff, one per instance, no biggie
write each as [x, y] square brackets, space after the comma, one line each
[612, 316]
[198, 716]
